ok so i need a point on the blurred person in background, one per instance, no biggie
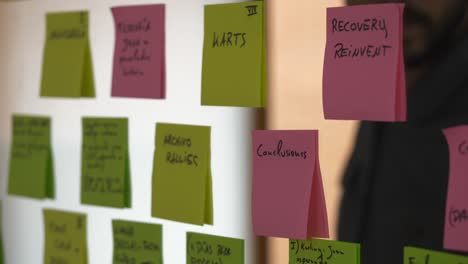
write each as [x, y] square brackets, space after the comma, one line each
[395, 185]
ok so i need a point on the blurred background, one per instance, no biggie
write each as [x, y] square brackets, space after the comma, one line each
[296, 49]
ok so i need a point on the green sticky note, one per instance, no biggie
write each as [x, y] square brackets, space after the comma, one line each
[31, 172]
[105, 166]
[137, 242]
[182, 174]
[234, 55]
[323, 251]
[67, 69]
[65, 237]
[423, 256]
[1, 236]
[202, 248]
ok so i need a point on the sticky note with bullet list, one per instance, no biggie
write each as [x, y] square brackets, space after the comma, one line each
[414, 255]
[323, 251]
[105, 163]
[364, 74]
[234, 55]
[67, 69]
[182, 174]
[456, 211]
[137, 242]
[31, 172]
[65, 237]
[287, 190]
[203, 248]
[139, 56]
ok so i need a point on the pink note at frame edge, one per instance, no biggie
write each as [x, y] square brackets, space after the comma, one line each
[456, 232]
[364, 88]
[287, 194]
[140, 78]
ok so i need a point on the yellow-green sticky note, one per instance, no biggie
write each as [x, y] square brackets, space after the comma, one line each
[105, 165]
[323, 251]
[31, 172]
[202, 248]
[182, 174]
[65, 237]
[137, 242]
[234, 55]
[1, 236]
[414, 255]
[67, 69]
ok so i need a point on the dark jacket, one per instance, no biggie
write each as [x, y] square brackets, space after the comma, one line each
[395, 185]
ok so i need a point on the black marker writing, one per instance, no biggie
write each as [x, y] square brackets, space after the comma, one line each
[463, 148]
[369, 51]
[229, 39]
[457, 216]
[279, 152]
[252, 10]
[369, 24]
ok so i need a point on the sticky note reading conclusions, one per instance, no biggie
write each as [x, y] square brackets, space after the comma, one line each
[182, 174]
[105, 165]
[139, 56]
[287, 191]
[203, 248]
[65, 237]
[423, 256]
[364, 75]
[67, 69]
[137, 242]
[323, 251]
[234, 55]
[31, 166]
[456, 210]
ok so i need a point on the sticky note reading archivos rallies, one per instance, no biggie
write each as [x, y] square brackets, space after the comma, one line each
[31, 165]
[67, 69]
[182, 174]
[65, 237]
[456, 211]
[137, 242]
[234, 55]
[364, 75]
[105, 165]
[139, 56]
[323, 251]
[287, 191]
[423, 256]
[203, 248]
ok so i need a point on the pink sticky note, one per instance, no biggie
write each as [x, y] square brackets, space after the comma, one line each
[456, 211]
[139, 56]
[363, 75]
[287, 196]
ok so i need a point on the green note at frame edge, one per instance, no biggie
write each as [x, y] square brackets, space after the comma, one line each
[323, 251]
[1, 235]
[413, 255]
[105, 164]
[203, 248]
[182, 182]
[145, 240]
[31, 171]
[65, 237]
[67, 69]
[234, 55]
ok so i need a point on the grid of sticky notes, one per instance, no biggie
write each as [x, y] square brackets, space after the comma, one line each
[182, 174]
[287, 190]
[363, 72]
[31, 170]
[105, 165]
[65, 237]
[323, 251]
[234, 61]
